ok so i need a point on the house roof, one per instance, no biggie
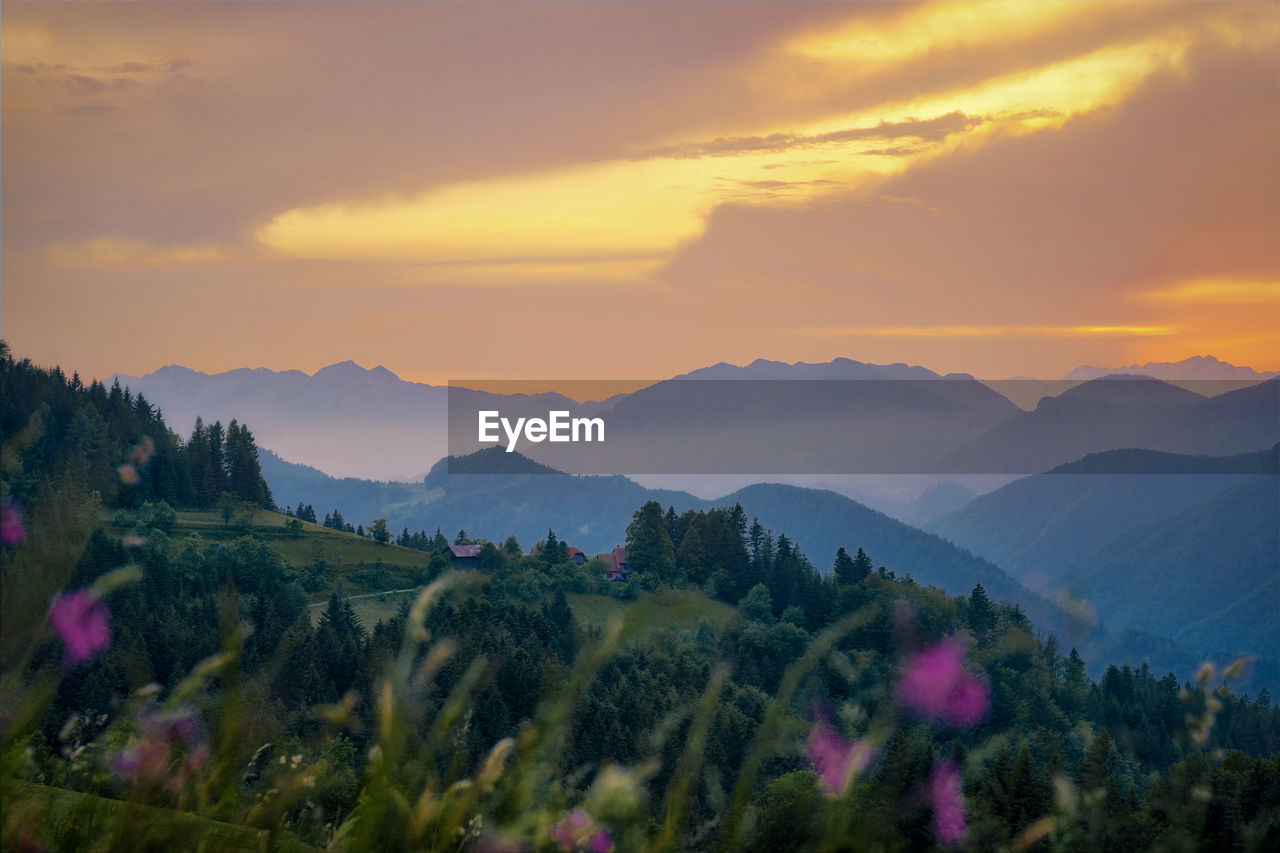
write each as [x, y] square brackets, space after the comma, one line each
[464, 550]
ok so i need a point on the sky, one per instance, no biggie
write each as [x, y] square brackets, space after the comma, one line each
[635, 190]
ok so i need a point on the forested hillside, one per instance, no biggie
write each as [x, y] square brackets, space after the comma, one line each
[106, 438]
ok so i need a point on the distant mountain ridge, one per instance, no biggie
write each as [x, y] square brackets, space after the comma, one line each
[349, 421]
[1198, 367]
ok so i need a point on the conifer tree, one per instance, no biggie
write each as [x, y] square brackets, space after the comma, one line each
[649, 546]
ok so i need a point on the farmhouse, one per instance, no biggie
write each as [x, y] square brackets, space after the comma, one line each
[464, 556]
[617, 569]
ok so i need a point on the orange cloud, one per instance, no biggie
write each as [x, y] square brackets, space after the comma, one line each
[1219, 291]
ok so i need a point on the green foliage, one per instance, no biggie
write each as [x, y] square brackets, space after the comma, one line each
[649, 546]
[116, 444]
[757, 604]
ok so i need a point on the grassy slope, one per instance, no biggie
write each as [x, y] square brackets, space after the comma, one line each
[348, 555]
[679, 610]
[352, 562]
[71, 813]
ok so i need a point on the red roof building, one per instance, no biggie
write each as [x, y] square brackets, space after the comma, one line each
[617, 569]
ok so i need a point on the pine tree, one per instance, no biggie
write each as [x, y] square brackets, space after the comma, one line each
[550, 551]
[862, 565]
[844, 569]
[982, 616]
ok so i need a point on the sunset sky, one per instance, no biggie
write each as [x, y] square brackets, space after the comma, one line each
[639, 189]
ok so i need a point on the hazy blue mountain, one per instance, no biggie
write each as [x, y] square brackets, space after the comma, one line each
[797, 425]
[822, 521]
[838, 368]
[1124, 412]
[361, 501]
[939, 499]
[842, 417]
[1209, 577]
[1040, 528]
[1198, 367]
[344, 419]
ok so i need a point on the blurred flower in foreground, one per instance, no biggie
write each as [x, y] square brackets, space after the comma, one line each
[11, 529]
[566, 831]
[81, 621]
[948, 803]
[574, 833]
[128, 475]
[835, 759]
[936, 683]
[149, 757]
[600, 841]
[142, 451]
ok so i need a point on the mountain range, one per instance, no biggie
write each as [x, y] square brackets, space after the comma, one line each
[1153, 543]
[841, 417]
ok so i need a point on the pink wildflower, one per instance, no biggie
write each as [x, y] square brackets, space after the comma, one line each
[82, 623]
[150, 757]
[11, 530]
[948, 803]
[600, 841]
[936, 683]
[565, 833]
[835, 759]
[128, 475]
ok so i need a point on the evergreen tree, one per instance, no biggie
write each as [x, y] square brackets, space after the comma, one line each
[649, 546]
[981, 616]
[844, 568]
[862, 566]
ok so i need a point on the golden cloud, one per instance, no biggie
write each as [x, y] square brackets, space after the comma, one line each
[652, 205]
[1219, 291]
